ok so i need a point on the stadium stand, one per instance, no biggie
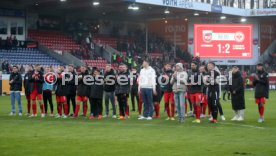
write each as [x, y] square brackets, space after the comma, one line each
[22, 56]
[53, 40]
[99, 63]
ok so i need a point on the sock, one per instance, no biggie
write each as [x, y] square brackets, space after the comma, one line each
[29, 106]
[194, 106]
[242, 113]
[190, 105]
[236, 113]
[140, 106]
[186, 107]
[34, 108]
[42, 108]
[172, 109]
[84, 108]
[204, 106]
[65, 109]
[155, 109]
[209, 110]
[127, 110]
[261, 111]
[168, 109]
[76, 113]
[121, 113]
[59, 108]
[158, 109]
[197, 112]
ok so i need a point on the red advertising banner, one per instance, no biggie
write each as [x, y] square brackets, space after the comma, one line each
[267, 34]
[223, 41]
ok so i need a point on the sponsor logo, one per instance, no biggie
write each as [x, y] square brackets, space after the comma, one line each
[216, 8]
[239, 36]
[207, 36]
[170, 2]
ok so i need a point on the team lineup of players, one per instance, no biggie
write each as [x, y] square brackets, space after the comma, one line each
[146, 91]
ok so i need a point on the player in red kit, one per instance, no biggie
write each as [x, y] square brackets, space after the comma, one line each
[261, 84]
[61, 94]
[195, 80]
[81, 92]
[36, 83]
[168, 93]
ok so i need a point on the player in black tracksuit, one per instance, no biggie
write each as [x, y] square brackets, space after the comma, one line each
[71, 89]
[96, 95]
[227, 91]
[122, 90]
[213, 90]
[81, 92]
[109, 90]
[27, 88]
[157, 98]
[261, 84]
[204, 102]
[134, 89]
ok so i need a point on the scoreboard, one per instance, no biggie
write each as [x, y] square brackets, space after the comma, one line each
[223, 41]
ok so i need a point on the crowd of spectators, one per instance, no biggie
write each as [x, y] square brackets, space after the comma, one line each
[7, 67]
[135, 48]
[10, 42]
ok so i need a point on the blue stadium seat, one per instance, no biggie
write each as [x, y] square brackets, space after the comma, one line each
[22, 56]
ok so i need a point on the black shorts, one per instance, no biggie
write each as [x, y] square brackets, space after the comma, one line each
[158, 97]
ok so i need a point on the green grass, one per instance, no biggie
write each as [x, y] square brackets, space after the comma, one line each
[49, 136]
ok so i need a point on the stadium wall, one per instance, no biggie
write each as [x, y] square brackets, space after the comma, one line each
[9, 22]
[170, 30]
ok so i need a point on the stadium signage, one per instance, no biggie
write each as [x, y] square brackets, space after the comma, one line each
[177, 28]
[170, 2]
[178, 3]
[191, 41]
[216, 8]
[256, 41]
[262, 12]
[185, 4]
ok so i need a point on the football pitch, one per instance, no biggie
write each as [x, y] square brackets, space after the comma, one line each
[50, 136]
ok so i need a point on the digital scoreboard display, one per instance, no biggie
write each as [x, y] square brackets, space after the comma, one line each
[223, 41]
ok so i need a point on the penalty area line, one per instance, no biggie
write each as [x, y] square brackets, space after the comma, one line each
[242, 125]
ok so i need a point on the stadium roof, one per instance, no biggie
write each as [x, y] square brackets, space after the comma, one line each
[108, 9]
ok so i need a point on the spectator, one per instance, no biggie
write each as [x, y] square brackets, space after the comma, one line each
[147, 86]
[1, 44]
[15, 89]
[14, 42]
[22, 69]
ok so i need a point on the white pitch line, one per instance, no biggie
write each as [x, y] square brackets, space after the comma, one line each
[141, 124]
[242, 125]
